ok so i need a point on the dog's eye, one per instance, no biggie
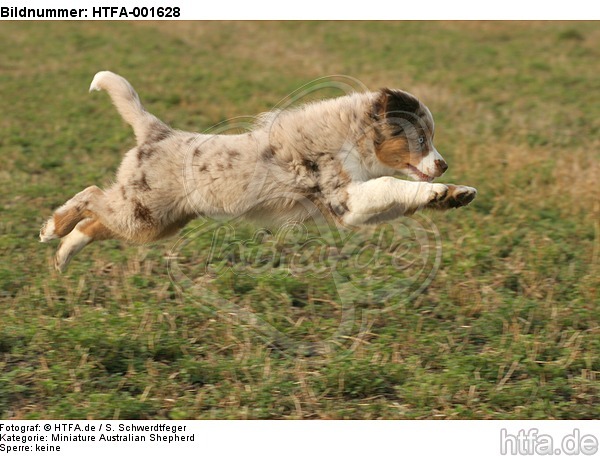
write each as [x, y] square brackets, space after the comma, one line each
[421, 139]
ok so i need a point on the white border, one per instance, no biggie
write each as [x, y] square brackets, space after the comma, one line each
[305, 438]
[358, 10]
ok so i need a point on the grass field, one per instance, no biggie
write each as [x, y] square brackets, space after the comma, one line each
[508, 328]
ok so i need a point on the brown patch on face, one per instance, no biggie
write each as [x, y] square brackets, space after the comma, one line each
[142, 213]
[141, 184]
[395, 153]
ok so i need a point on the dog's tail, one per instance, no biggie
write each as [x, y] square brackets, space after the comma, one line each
[129, 106]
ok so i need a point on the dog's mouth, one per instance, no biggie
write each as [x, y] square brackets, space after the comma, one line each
[419, 175]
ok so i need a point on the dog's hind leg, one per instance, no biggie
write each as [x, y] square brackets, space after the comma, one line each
[85, 232]
[95, 215]
[66, 217]
[78, 223]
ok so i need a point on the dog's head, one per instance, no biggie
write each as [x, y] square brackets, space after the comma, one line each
[404, 132]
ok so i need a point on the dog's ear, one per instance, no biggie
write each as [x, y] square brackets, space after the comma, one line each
[395, 104]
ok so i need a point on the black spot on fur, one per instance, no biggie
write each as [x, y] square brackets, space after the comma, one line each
[233, 153]
[268, 153]
[197, 151]
[310, 165]
[142, 213]
[145, 152]
[141, 184]
[203, 167]
[158, 132]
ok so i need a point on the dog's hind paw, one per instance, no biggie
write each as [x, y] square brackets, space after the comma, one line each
[48, 231]
[456, 196]
[69, 247]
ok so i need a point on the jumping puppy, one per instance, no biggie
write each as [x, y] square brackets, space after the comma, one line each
[339, 154]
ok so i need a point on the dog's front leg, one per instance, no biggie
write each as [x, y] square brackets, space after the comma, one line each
[386, 198]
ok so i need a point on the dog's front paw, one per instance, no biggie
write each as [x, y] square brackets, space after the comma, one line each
[454, 196]
[461, 195]
[437, 194]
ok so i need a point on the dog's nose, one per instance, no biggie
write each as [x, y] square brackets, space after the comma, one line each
[441, 166]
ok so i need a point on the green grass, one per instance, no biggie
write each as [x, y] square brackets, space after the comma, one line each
[508, 328]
